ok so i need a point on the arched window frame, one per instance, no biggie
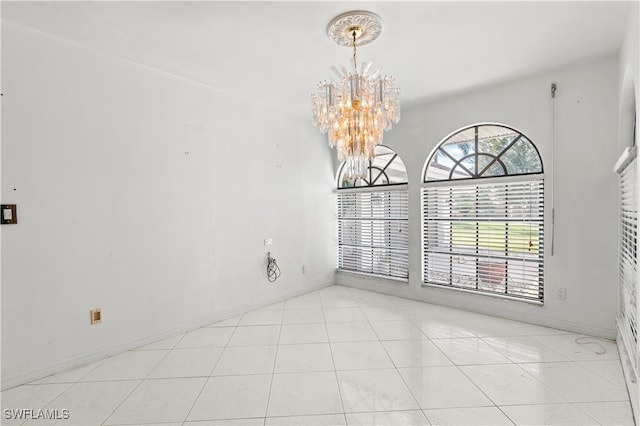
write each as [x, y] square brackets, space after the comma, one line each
[496, 157]
[373, 223]
[467, 260]
[377, 174]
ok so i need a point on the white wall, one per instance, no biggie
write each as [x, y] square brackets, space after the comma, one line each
[148, 196]
[586, 205]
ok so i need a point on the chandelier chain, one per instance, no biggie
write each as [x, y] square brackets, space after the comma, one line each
[355, 61]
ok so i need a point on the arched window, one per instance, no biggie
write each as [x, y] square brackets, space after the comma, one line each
[385, 169]
[483, 213]
[373, 218]
[482, 151]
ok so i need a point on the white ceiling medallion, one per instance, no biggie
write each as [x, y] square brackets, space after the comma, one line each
[368, 27]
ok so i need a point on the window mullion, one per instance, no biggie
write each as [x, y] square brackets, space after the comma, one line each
[477, 148]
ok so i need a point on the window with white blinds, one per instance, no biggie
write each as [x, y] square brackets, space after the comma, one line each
[373, 217]
[373, 233]
[485, 236]
[483, 213]
[628, 259]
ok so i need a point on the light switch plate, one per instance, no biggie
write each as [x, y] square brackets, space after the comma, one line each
[9, 214]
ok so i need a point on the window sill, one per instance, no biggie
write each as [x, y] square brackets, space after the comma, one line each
[479, 293]
[366, 274]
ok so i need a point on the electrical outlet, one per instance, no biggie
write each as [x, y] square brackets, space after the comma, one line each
[268, 241]
[561, 293]
[96, 316]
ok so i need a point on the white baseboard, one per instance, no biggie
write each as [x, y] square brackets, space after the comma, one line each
[107, 351]
[452, 300]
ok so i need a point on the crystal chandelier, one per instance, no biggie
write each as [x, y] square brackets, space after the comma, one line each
[357, 108]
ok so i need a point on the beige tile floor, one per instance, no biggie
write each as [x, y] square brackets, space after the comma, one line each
[342, 356]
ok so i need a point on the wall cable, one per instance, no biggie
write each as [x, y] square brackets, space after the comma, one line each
[591, 344]
[273, 270]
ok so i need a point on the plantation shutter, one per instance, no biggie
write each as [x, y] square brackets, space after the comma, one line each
[628, 261]
[485, 237]
[373, 232]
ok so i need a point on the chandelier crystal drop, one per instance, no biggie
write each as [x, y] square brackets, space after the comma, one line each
[356, 109]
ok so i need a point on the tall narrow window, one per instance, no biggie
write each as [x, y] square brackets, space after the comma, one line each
[373, 218]
[628, 254]
[483, 214]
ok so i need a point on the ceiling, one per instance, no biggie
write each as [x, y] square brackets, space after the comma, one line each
[274, 53]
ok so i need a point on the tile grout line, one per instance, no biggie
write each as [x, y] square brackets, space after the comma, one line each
[546, 387]
[462, 372]
[186, 417]
[422, 410]
[565, 359]
[458, 367]
[506, 415]
[397, 370]
[573, 404]
[335, 371]
[71, 385]
[52, 400]
[367, 302]
[273, 369]
[468, 378]
[333, 361]
[141, 381]
[579, 364]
